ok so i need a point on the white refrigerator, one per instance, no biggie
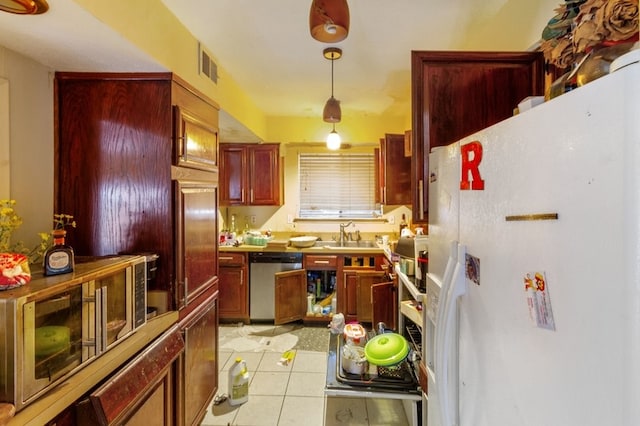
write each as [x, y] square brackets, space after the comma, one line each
[533, 291]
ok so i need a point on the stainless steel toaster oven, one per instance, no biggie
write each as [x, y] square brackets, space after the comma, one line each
[54, 326]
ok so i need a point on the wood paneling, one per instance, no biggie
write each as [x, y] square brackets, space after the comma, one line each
[455, 94]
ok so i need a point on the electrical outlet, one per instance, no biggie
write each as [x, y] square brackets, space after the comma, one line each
[253, 219]
[391, 219]
[289, 218]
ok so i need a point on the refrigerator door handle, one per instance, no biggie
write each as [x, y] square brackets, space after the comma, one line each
[442, 297]
[446, 355]
[439, 371]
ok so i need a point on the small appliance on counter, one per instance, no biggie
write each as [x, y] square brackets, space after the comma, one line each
[56, 325]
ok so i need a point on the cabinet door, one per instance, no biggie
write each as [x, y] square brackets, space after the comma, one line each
[396, 171]
[199, 366]
[233, 175]
[364, 282]
[196, 141]
[349, 297]
[265, 175]
[384, 304]
[291, 296]
[233, 293]
[197, 237]
[455, 94]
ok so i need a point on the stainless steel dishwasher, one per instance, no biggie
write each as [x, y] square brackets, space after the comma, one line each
[262, 269]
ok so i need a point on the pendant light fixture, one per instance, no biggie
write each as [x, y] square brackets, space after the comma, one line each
[331, 112]
[329, 20]
[24, 7]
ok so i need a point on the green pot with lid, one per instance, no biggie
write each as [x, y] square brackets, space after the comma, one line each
[386, 349]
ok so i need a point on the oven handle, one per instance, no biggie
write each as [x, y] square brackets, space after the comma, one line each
[101, 320]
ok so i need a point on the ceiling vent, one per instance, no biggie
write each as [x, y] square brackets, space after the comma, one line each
[206, 66]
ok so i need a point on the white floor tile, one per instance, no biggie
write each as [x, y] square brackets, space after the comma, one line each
[306, 384]
[220, 415]
[269, 383]
[342, 411]
[270, 361]
[307, 411]
[251, 358]
[260, 410]
[310, 362]
[293, 394]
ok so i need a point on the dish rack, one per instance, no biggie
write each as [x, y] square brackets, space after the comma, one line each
[255, 240]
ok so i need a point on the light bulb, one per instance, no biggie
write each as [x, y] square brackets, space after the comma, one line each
[330, 28]
[333, 140]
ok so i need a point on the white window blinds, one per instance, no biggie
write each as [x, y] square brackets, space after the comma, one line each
[335, 186]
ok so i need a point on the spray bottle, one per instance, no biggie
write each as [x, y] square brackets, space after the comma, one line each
[238, 383]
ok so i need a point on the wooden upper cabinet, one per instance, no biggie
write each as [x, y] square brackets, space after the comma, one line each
[250, 174]
[196, 141]
[395, 171]
[115, 169]
[233, 175]
[455, 94]
[195, 127]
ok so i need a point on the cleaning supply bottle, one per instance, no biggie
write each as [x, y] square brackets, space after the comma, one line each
[238, 382]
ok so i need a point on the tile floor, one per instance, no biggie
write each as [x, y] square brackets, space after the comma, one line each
[294, 395]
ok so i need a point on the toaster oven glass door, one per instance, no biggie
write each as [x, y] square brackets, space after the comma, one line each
[114, 308]
[53, 339]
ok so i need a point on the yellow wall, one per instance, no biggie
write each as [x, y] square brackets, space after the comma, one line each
[353, 130]
[150, 26]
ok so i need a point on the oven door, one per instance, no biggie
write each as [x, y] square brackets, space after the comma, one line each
[386, 385]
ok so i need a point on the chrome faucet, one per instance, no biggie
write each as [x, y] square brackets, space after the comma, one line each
[343, 235]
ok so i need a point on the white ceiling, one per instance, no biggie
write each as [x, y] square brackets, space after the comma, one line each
[265, 46]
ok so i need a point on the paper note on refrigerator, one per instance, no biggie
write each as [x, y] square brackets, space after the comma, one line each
[538, 301]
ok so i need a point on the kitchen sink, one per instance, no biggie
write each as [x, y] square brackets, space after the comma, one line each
[347, 244]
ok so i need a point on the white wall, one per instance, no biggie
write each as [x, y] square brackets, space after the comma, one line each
[30, 123]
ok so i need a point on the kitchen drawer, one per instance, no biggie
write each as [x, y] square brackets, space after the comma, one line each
[320, 261]
[232, 259]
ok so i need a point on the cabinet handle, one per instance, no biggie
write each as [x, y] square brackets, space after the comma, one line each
[421, 199]
[225, 258]
[241, 277]
[242, 195]
[324, 262]
[251, 195]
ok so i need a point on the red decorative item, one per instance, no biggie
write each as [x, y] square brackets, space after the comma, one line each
[14, 270]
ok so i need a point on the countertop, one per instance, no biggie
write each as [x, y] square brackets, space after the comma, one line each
[311, 250]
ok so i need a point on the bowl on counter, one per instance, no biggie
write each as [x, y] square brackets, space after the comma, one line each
[303, 242]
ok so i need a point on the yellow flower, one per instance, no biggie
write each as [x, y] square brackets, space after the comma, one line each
[10, 221]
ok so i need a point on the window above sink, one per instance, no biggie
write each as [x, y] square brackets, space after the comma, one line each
[338, 186]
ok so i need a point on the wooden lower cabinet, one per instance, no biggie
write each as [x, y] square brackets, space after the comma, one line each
[233, 287]
[358, 275]
[197, 378]
[357, 279]
[290, 296]
[357, 303]
[142, 392]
